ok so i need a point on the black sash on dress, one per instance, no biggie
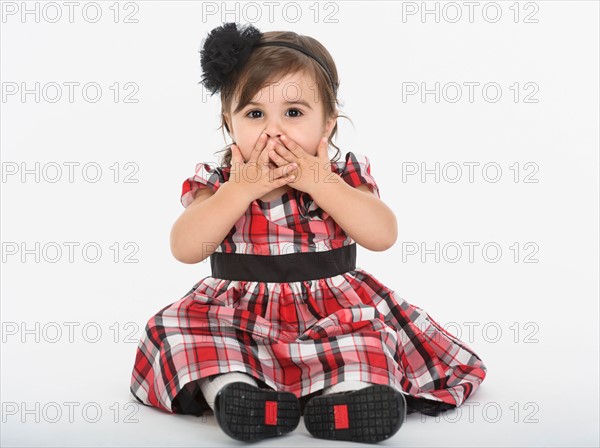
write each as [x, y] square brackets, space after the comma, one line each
[283, 268]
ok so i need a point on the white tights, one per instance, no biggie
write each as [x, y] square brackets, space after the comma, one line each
[212, 384]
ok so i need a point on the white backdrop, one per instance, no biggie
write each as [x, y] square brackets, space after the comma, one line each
[102, 118]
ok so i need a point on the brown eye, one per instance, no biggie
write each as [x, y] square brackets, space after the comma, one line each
[297, 110]
[251, 112]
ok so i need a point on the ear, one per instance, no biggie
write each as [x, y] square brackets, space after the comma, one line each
[330, 124]
[228, 127]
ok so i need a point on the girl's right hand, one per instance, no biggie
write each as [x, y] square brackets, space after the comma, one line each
[257, 177]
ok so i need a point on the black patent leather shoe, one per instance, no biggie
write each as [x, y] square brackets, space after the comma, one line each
[369, 415]
[249, 413]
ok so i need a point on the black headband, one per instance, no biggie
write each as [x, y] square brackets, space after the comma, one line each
[282, 43]
[227, 48]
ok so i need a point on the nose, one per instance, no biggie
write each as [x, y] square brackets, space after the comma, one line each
[274, 134]
[274, 129]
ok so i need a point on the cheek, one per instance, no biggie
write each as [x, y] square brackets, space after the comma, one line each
[308, 141]
[315, 138]
[310, 144]
[245, 147]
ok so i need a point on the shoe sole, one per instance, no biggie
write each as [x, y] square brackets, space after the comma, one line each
[371, 414]
[249, 413]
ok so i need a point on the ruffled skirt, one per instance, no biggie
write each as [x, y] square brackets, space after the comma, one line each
[301, 337]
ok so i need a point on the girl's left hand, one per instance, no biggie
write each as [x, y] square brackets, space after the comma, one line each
[311, 171]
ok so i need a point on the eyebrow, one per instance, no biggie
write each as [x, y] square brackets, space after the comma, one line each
[302, 102]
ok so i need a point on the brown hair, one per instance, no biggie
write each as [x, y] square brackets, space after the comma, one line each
[269, 63]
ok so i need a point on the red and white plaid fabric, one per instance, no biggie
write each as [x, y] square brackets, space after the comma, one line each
[299, 336]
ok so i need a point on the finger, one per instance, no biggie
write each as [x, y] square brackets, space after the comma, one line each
[258, 147]
[284, 153]
[288, 170]
[263, 157]
[322, 152]
[283, 181]
[276, 158]
[292, 146]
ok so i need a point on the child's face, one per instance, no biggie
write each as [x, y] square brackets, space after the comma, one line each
[303, 123]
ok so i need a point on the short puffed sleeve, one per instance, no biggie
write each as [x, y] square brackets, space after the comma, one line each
[207, 176]
[355, 170]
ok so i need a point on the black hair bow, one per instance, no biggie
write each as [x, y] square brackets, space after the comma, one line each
[225, 49]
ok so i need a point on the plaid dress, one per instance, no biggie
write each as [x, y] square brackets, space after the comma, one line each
[299, 336]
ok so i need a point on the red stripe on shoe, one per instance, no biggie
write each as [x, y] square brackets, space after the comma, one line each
[270, 413]
[340, 415]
